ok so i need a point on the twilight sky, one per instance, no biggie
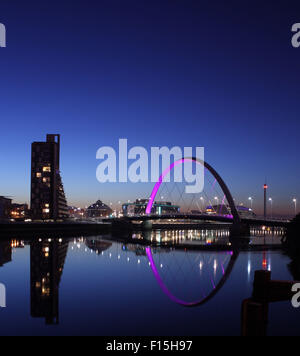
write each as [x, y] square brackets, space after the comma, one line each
[220, 74]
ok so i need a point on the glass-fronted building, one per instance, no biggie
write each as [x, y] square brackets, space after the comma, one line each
[159, 208]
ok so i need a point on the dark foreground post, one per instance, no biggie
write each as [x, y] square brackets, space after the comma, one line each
[255, 309]
[254, 318]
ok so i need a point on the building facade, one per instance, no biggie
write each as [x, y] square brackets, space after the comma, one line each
[5, 207]
[19, 211]
[223, 209]
[98, 210]
[48, 201]
[158, 208]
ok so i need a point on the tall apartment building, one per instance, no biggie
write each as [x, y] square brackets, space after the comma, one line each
[48, 201]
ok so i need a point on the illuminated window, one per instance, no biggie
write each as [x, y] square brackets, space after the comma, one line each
[46, 291]
[46, 169]
[38, 175]
[46, 205]
[46, 179]
[46, 211]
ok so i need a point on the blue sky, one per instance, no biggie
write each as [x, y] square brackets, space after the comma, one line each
[159, 73]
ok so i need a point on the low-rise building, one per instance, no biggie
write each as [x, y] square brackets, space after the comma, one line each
[19, 211]
[158, 208]
[223, 209]
[98, 210]
[5, 207]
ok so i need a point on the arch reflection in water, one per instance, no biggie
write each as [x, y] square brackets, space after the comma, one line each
[215, 286]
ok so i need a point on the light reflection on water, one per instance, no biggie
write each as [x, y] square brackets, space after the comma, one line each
[259, 236]
[98, 286]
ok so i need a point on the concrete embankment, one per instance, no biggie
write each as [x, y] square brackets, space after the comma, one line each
[21, 229]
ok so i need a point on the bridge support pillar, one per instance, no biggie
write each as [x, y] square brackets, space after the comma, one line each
[147, 225]
[239, 230]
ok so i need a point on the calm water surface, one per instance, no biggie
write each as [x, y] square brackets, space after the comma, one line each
[96, 286]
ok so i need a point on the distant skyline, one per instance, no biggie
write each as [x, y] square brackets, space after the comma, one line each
[159, 73]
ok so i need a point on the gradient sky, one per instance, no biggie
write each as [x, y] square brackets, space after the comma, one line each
[222, 75]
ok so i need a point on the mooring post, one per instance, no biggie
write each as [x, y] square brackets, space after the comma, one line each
[261, 285]
[254, 321]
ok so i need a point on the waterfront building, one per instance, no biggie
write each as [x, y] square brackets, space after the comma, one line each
[98, 210]
[159, 208]
[76, 213]
[48, 201]
[19, 211]
[223, 209]
[5, 207]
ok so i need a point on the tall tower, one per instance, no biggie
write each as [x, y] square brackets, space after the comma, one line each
[265, 200]
[48, 201]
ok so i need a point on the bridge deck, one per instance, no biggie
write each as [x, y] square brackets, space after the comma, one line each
[208, 218]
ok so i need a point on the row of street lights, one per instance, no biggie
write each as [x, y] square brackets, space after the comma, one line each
[250, 199]
[251, 203]
[271, 202]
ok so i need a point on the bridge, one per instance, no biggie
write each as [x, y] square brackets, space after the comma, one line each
[201, 218]
[190, 221]
[238, 226]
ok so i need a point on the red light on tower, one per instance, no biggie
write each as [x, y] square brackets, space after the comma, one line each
[265, 200]
[264, 261]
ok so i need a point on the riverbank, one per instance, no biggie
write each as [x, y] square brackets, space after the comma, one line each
[24, 229]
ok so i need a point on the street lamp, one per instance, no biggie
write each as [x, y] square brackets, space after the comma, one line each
[217, 199]
[295, 202]
[271, 202]
[251, 200]
[202, 203]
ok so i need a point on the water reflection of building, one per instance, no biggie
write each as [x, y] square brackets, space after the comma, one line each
[98, 245]
[47, 260]
[17, 244]
[206, 235]
[5, 252]
[137, 249]
[158, 208]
